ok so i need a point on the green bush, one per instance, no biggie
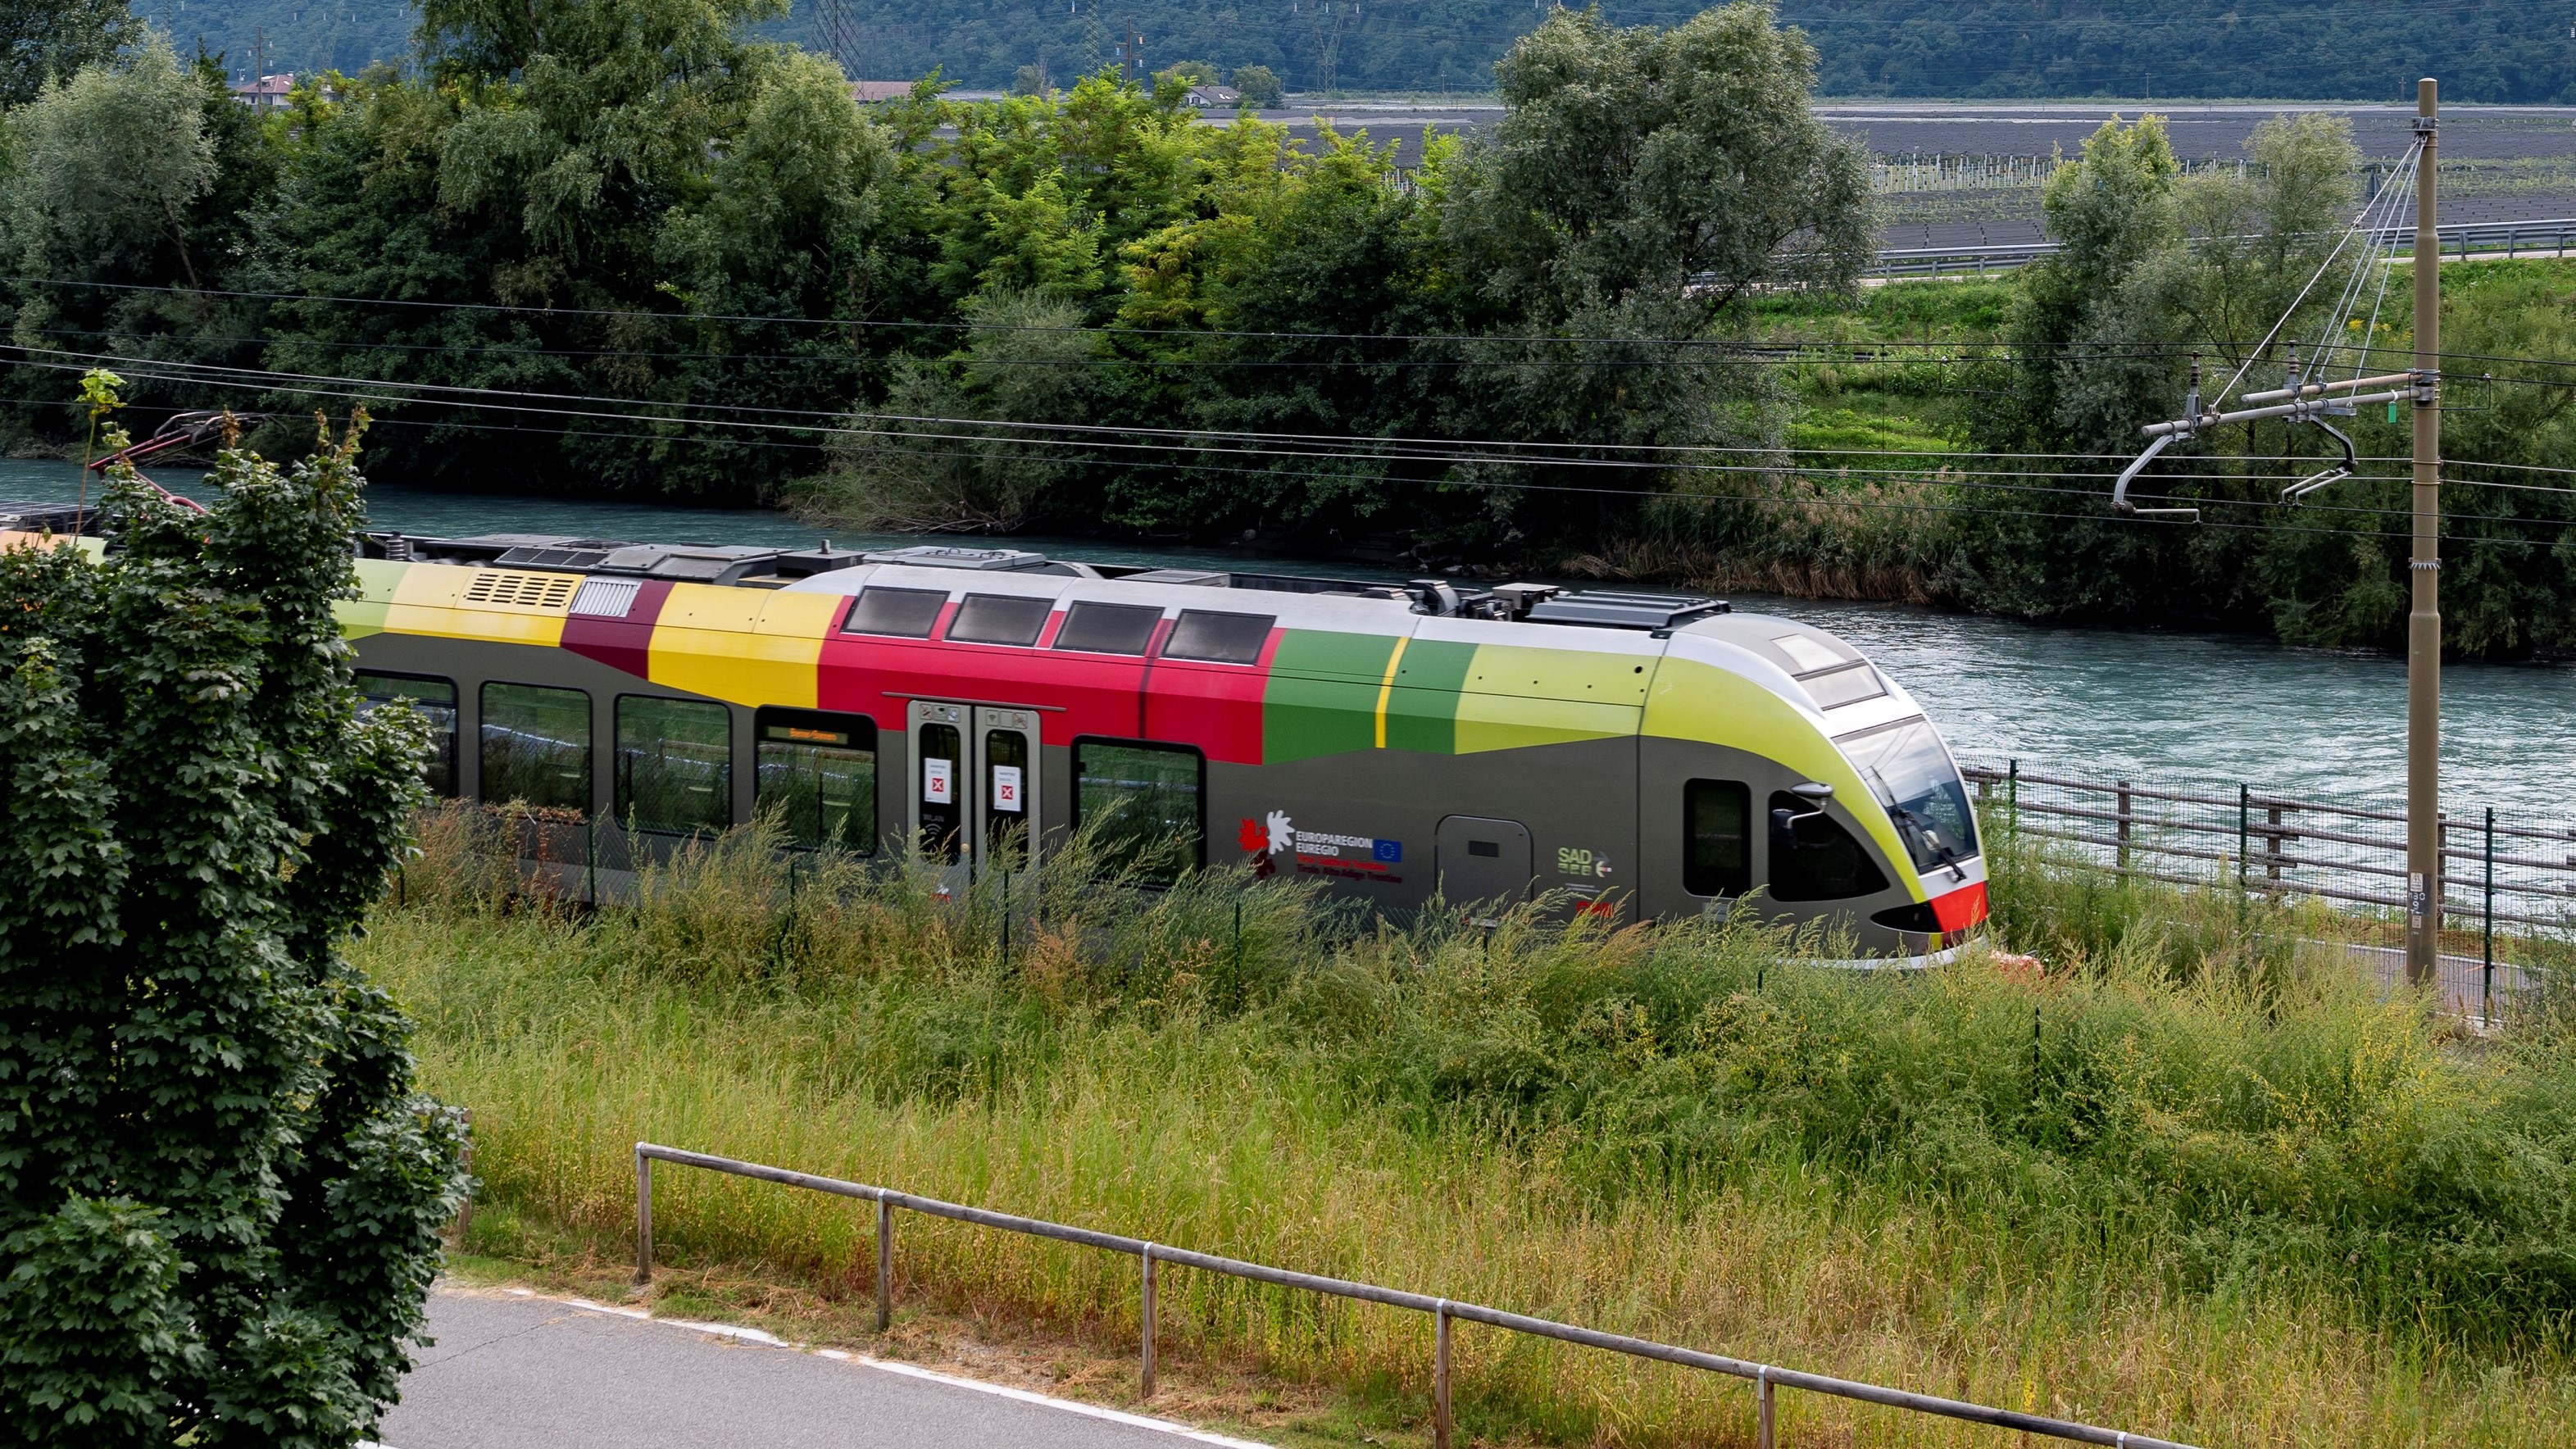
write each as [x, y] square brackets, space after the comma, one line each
[220, 1193]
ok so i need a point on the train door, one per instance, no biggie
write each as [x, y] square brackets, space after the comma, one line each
[1006, 774]
[974, 796]
[1483, 863]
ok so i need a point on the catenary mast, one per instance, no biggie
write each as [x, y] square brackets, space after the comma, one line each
[2424, 568]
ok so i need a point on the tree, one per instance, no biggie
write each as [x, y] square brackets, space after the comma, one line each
[1678, 167]
[2091, 360]
[46, 40]
[108, 164]
[2085, 319]
[135, 191]
[1641, 184]
[220, 1192]
[594, 171]
[1260, 86]
[2258, 240]
[1027, 358]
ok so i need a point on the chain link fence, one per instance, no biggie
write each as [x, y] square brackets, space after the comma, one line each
[2508, 884]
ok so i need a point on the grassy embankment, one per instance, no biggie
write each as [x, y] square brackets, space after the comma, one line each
[1863, 510]
[2190, 1182]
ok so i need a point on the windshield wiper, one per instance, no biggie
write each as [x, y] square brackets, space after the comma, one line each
[1919, 823]
[1924, 827]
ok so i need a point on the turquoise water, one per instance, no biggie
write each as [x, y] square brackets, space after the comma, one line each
[2139, 704]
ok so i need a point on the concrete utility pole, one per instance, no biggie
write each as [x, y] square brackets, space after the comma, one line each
[2424, 623]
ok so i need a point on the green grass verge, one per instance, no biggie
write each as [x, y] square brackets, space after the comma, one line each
[2193, 1180]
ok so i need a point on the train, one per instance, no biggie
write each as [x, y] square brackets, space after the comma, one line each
[1634, 756]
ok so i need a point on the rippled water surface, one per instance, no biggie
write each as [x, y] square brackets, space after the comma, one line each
[2100, 701]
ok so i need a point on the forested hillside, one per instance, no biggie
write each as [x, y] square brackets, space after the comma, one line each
[264, 37]
[2484, 50]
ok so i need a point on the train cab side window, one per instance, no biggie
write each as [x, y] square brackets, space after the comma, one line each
[817, 773]
[1813, 858]
[903, 613]
[674, 764]
[1108, 628]
[1000, 619]
[436, 701]
[536, 746]
[1717, 838]
[1219, 638]
[1147, 802]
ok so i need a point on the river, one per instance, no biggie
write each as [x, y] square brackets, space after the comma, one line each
[2144, 705]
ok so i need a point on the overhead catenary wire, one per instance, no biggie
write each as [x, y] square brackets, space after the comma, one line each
[1775, 468]
[1680, 457]
[1122, 437]
[1884, 505]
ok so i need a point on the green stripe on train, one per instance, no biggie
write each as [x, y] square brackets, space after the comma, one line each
[1321, 698]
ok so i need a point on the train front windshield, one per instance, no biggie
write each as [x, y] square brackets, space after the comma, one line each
[1911, 774]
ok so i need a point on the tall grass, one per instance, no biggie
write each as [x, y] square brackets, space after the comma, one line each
[2194, 1179]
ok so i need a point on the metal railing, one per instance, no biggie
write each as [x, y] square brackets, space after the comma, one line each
[2553, 236]
[1767, 1379]
[2498, 870]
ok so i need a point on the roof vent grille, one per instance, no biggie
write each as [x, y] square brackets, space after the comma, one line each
[608, 598]
[505, 588]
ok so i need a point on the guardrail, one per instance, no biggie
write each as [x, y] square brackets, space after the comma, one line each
[1766, 1378]
[2555, 236]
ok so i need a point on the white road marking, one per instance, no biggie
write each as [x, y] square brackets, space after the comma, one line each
[895, 1366]
[1092, 1411]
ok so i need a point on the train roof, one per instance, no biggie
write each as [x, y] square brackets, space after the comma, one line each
[825, 569]
[1796, 659]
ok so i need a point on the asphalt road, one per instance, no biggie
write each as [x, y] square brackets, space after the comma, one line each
[511, 1371]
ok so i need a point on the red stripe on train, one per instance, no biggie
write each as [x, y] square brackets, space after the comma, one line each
[1961, 908]
[625, 643]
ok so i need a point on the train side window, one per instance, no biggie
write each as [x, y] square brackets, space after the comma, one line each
[536, 745]
[941, 749]
[1146, 801]
[903, 613]
[1000, 619]
[1219, 638]
[436, 701]
[818, 773]
[1108, 628]
[1813, 858]
[674, 764]
[1717, 838]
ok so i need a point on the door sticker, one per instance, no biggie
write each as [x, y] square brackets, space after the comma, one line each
[935, 782]
[1006, 788]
